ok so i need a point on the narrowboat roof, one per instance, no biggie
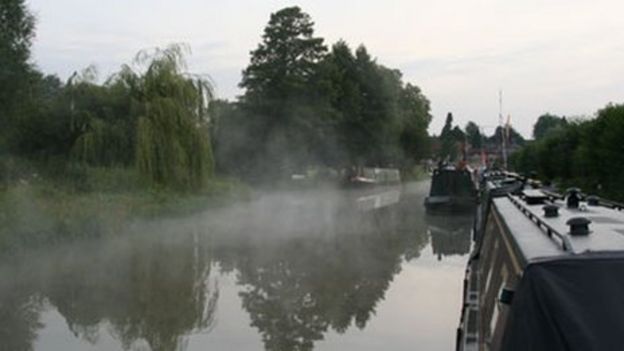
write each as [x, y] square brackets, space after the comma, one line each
[566, 255]
[450, 168]
[530, 228]
[502, 185]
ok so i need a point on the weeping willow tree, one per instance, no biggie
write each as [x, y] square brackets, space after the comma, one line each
[172, 141]
[100, 119]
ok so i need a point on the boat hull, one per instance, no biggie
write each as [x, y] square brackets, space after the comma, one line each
[450, 204]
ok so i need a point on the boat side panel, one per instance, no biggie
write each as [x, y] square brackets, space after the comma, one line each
[498, 267]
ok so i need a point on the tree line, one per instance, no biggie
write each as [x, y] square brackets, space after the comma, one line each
[151, 115]
[453, 142]
[305, 106]
[587, 153]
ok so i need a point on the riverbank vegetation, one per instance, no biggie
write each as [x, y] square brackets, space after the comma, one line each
[306, 105]
[454, 143]
[37, 207]
[83, 156]
[586, 153]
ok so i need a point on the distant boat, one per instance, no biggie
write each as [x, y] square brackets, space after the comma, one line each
[378, 200]
[370, 176]
[452, 191]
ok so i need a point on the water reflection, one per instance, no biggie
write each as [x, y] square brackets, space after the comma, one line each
[19, 316]
[154, 291]
[297, 288]
[450, 235]
[305, 264]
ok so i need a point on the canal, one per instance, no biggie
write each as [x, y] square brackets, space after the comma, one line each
[326, 269]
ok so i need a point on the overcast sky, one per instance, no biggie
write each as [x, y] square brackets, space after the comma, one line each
[560, 56]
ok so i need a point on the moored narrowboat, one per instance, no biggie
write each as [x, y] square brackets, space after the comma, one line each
[546, 273]
[371, 176]
[452, 191]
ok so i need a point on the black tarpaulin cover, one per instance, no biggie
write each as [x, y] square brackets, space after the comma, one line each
[569, 304]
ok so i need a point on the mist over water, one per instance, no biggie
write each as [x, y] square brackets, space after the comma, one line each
[323, 269]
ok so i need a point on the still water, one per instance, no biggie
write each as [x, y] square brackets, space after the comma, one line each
[296, 270]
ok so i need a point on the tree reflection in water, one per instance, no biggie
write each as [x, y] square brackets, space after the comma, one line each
[324, 266]
[154, 291]
[296, 289]
[19, 317]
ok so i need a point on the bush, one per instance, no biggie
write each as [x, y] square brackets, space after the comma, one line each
[588, 153]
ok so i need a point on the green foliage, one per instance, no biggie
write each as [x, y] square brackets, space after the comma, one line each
[234, 149]
[378, 116]
[448, 125]
[547, 123]
[453, 140]
[156, 120]
[415, 108]
[41, 130]
[93, 202]
[450, 137]
[102, 120]
[512, 137]
[305, 107]
[284, 62]
[281, 99]
[19, 81]
[173, 147]
[473, 134]
[585, 153]
[17, 29]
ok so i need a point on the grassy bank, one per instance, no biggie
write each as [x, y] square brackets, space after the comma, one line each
[41, 206]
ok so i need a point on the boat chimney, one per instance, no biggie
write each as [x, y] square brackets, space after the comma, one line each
[593, 200]
[534, 197]
[573, 197]
[551, 210]
[579, 225]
